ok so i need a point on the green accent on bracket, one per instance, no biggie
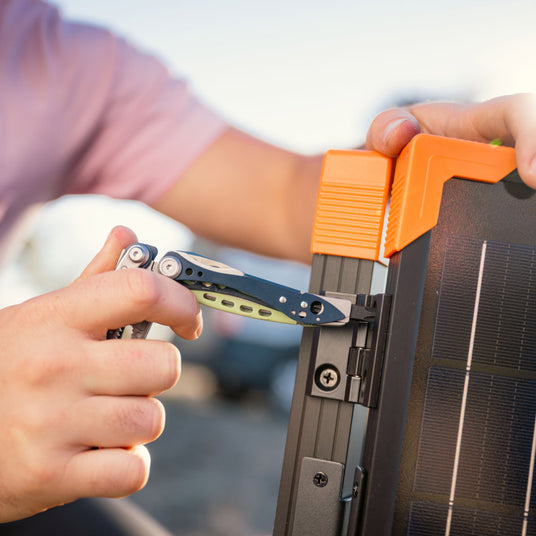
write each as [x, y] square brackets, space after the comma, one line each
[496, 142]
[240, 306]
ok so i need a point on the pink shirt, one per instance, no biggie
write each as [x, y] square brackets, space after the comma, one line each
[81, 111]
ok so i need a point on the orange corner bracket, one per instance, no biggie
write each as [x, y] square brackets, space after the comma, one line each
[422, 169]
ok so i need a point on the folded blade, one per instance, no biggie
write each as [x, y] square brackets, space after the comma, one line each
[222, 287]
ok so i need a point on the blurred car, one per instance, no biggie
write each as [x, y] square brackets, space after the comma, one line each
[242, 366]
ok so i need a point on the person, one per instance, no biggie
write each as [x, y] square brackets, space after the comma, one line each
[84, 112]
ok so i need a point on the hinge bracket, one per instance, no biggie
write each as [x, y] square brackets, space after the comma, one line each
[349, 360]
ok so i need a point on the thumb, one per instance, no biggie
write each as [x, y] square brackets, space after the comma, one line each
[106, 259]
[391, 130]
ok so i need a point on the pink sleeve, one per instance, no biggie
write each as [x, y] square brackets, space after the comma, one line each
[111, 119]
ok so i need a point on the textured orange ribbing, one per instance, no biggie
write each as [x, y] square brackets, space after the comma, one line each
[351, 203]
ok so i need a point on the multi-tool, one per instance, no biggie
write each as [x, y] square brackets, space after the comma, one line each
[228, 289]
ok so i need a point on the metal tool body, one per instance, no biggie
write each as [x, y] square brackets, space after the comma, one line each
[135, 256]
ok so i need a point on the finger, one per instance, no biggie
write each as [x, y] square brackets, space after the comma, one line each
[391, 130]
[481, 122]
[114, 299]
[510, 119]
[131, 367]
[521, 121]
[106, 259]
[121, 421]
[106, 473]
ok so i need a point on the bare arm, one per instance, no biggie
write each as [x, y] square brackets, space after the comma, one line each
[246, 193]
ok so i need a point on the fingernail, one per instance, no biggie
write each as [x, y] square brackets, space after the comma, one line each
[199, 329]
[110, 238]
[393, 125]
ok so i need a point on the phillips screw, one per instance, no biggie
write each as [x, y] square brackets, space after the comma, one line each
[320, 480]
[328, 378]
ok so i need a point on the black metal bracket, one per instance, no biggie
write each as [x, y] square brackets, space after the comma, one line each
[348, 367]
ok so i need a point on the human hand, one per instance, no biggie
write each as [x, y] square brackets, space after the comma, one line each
[65, 389]
[511, 119]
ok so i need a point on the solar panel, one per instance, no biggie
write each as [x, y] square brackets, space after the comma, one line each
[470, 442]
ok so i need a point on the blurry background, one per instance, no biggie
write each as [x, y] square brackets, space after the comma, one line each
[308, 75]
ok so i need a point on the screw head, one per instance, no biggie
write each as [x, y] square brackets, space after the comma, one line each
[170, 267]
[138, 254]
[328, 378]
[320, 480]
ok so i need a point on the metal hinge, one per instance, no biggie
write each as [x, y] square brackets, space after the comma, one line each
[349, 361]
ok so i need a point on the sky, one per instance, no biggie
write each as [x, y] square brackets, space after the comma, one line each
[312, 74]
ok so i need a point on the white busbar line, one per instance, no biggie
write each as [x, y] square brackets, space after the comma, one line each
[465, 388]
[529, 482]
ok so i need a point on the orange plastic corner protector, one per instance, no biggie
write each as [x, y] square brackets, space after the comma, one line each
[422, 169]
[352, 198]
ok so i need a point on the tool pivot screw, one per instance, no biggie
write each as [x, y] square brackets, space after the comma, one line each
[170, 267]
[138, 254]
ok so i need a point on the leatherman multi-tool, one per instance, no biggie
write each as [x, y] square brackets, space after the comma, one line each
[228, 289]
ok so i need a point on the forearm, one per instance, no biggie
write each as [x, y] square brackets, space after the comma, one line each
[301, 204]
[246, 193]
